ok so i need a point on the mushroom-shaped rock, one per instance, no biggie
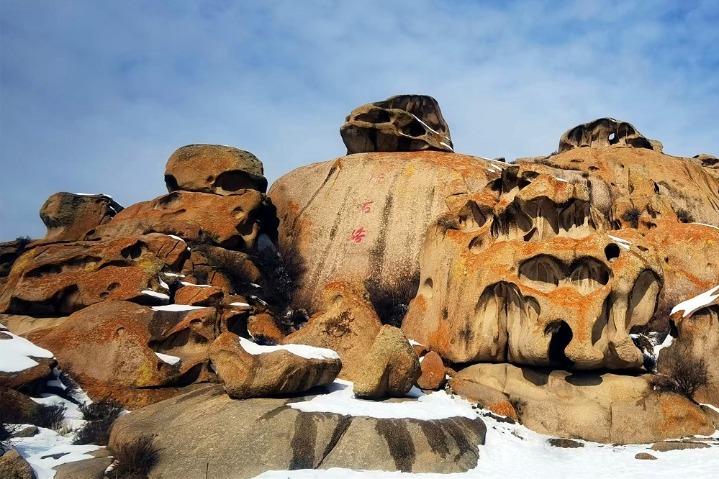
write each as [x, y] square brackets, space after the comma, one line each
[347, 324]
[390, 368]
[250, 370]
[68, 216]
[602, 133]
[400, 123]
[218, 169]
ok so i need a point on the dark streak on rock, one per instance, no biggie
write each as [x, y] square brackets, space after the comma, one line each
[303, 442]
[399, 442]
[435, 437]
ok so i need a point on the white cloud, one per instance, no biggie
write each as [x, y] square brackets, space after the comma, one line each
[96, 95]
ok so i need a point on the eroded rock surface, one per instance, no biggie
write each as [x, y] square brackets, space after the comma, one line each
[400, 123]
[602, 133]
[218, 169]
[69, 216]
[277, 372]
[266, 434]
[605, 407]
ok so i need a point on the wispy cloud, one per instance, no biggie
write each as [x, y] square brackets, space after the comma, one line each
[94, 96]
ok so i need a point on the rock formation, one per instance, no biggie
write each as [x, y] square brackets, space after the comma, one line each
[544, 289]
[399, 123]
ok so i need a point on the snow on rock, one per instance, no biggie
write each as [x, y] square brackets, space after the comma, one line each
[708, 226]
[622, 242]
[16, 353]
[155, 294]
[697, 302]
[302, 350]
[48, 449]
[177, 307]
[425, 407]
[511, 450]
[168, 359]
[240, 305]
[185, 283]
[665, 344]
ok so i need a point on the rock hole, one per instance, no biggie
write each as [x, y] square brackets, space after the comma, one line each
[414, 129]
[427, 288]
[171, 183]
[471, 218]
[133, 252]
[611, 251]
[233, 181]
[561, 337]
[476, 245]
[376, 115]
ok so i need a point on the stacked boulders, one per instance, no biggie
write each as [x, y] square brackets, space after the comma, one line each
[130, 300]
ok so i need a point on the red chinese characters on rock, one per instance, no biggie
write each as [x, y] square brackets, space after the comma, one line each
[366, 206]
[358, 235]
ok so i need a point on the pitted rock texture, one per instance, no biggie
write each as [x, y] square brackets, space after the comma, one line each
[69, 216]
[390, 368]
[58, 279]
[269, 374]
[400, 123]
[266, 434]
[608, 408]
[105, 349]
[364, 217]
[346, 324]
[529, 276]
[233, 221]
[602, 133]
[633, 187]
[218, 169]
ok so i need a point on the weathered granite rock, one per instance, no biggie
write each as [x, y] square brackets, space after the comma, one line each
[390, 368]
[218, 169]
[104, 347]
[433, 372]
[265, 434]
[364, 217]
[233, 221]
[346, 324]
[58, 279]
[400, 123]
[602, 133]
[608, 408]
[273, 373]
[69, 216]
[13, 466]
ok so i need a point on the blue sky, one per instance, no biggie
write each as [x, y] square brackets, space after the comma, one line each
[95, 95]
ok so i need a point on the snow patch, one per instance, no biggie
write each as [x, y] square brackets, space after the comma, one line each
[708, 226]
[177, 307]
[155, 294]
[302, 350]
[16, 353]
[168, 359]
[697, 302]
[240, 305]
[425, 407]
[185, 283]
[48, 449]
[622, 242]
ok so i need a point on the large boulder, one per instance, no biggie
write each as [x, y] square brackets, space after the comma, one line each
[390, 368]
[602, 133]
[346, 324]
[58, 279]
[601, 407]
[250, 370]
[532, 278]
[268, 434]
[14, 466]
[399, 123]
[105, 348]
[232, 222]
[363, 218]
[218, 169]
[68, 216]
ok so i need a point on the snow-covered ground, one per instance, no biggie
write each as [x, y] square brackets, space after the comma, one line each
[512, 450]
